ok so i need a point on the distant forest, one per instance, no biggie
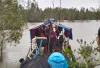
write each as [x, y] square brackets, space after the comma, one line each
[35, 14]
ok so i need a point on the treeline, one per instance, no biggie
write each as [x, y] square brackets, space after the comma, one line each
[34, 14]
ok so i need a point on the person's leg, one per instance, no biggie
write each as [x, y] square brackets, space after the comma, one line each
[53, 47]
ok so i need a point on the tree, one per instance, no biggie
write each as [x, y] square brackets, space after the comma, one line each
[48, 13]
[34, 13]
[11, 22]
[97, 15]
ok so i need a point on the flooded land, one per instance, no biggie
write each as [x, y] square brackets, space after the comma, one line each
[86, 30]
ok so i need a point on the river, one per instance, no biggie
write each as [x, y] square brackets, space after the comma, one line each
[86, 30]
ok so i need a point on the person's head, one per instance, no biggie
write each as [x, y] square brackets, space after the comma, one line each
[21, 60]
[99, 32]
[38, 62]
[57, 60]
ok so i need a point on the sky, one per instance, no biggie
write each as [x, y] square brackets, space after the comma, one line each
[67, 3]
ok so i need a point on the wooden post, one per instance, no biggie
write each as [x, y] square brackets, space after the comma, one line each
[49, 37]
[1, 47]
[2, 42]
[60, 12]
[0, 53]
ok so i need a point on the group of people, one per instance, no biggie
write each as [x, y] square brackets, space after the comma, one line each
[54, 38]
[52, 33]
[51, 63]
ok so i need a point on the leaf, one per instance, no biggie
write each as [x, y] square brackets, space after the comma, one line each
[84, 42]
[78, 41]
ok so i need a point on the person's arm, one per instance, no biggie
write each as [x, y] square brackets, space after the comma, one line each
[67, 43]
[98, 41]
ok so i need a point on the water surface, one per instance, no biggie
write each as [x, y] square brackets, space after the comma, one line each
[86, 30]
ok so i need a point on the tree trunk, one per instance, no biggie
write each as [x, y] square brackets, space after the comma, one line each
[1, 48]
[0, 53]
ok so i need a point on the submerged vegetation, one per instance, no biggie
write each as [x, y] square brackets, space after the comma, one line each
[11, 23]
[89, 56]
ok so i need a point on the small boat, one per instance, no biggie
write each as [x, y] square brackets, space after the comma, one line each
[40, 41]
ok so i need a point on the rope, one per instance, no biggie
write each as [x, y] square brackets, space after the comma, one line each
[38, 49]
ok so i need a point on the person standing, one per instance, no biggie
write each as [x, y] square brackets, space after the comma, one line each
[53, 40]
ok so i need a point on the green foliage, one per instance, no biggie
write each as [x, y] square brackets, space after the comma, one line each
[63, 14]
[97, 15]
[82, 65]
[68, 53]
[34, 13]
[11, 21]
[74, 64]
[77, 65]
[88, 52]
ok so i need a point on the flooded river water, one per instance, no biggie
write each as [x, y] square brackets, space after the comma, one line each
[87, 30]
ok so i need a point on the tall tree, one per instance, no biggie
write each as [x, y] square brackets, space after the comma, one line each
[11, 22]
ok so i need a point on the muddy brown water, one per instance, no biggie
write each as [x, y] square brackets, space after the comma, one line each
[87, 30]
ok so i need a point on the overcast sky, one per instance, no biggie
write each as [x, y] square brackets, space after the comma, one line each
[68, 3]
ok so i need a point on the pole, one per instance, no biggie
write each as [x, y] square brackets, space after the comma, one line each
[52, 9]
[28, 6]
[49, 38]
[53, 5]
[3, 36]
[60, 12]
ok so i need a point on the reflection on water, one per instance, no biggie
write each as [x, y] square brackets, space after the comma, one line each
[85, 30]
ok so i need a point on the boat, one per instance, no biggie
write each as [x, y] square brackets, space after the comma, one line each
[40, 46]
[41, 41]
